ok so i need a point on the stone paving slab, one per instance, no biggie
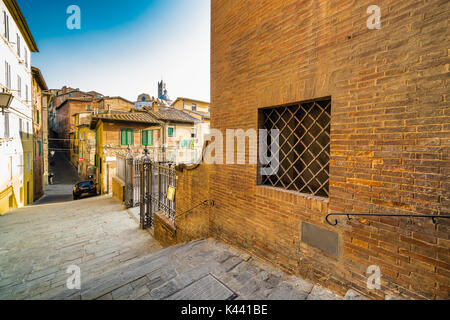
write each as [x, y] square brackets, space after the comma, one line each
[120, 262]
[38, 243]
[215, 271]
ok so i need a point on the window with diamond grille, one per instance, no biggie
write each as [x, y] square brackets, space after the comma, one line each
[304, 146]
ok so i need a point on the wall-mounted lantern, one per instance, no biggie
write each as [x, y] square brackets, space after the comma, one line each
[5, 100]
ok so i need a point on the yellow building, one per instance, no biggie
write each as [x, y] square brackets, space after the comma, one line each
[83, 148]
[40, 131]
[27, 192]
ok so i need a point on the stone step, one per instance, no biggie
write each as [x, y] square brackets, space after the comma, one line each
[128, 272]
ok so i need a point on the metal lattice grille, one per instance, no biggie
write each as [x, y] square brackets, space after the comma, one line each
[304, 146]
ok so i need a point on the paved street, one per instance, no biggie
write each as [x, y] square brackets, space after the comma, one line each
[200, 270]
[119, 261]
[38, 243]
[65, 177]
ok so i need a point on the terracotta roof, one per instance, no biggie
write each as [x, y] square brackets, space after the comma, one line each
[205, 115]
[189, 99]
[136, 117]
[170, 114]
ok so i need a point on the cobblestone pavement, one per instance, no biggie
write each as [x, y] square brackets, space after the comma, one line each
[38, 243]
[200, 270]
[119, 261]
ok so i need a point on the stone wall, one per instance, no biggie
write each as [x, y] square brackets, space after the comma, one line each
[390, 136]
[118, 189]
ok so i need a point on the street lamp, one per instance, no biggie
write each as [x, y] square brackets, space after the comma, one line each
[5, 100]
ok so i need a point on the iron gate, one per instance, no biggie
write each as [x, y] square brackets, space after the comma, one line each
[133, 170]
[155, 182]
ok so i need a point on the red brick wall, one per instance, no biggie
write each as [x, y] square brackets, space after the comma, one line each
[390, 135]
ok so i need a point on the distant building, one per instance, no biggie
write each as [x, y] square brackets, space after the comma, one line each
[40, 132]
[114, 133]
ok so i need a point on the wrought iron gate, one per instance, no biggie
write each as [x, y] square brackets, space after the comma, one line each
[133, 170]
[155, 182]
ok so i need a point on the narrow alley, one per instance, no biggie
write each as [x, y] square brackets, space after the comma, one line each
[64, 177]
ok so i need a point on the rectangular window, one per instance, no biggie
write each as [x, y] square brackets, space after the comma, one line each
[147, 137]
[40, 148]
[28, 129]
[8, 75]
[20, 128]
[28, 161]
[194, 107]
[37, 116]
[26, 57]
[170, 132]
[18, 44]
[26, 93]
[126, 137]
[6, 25]
[19, 86]
[7, 134]
[303, 146]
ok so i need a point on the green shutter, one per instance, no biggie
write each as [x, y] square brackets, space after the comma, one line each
[170, 133]
[123, 137]
[130, 138]
[40, 148]
[37, 116]
[151, 138]
[144, 137]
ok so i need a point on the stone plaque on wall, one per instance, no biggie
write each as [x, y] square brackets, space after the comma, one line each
[320, 238]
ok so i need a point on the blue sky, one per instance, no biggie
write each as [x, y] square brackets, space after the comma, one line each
[124, 47]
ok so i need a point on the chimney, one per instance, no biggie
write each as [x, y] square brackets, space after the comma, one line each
[64, 89]
[155, 105]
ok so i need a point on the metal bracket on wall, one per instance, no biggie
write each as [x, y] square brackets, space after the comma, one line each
[348, 215]
[207, 203]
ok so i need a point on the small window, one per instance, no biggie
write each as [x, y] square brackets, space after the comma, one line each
[194, 107]
[147, 137]
[194, 133]
[8, 75]
[126, 137]
[171, 132]
[19, 86]
[18, 45]
[6, 25]
[303, 134]
[7, 125]
[40, 148]
[37, 116]
[88, 108]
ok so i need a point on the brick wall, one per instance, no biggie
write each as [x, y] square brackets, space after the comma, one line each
[390, 136]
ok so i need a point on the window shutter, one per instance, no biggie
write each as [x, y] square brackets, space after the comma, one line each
[151, 138]
[144, 137]
[123, 140]
[130, 137]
